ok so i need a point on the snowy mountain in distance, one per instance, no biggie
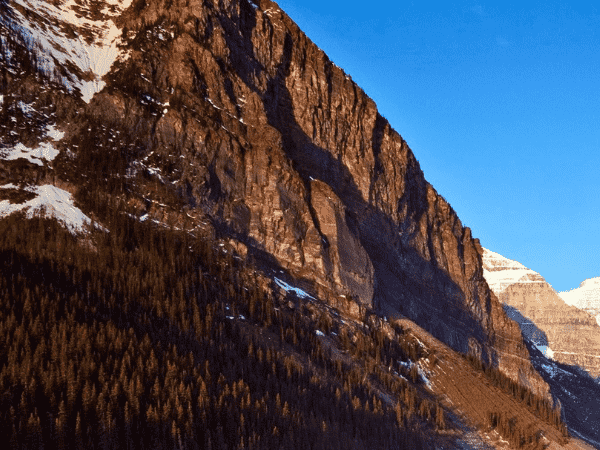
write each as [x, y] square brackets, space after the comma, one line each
[76, 41]
[501, 272]
[586, 297]
[567, 337]
[561, 331]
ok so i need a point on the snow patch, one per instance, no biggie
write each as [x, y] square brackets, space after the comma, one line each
[288, 288]
[551, 370]
[50, 201]
[424, 377]
[319, 333]
[26, 108]
[547, 351]
[44, 151]
[53, 133]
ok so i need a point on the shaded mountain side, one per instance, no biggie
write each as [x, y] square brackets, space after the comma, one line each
[567, 334]
[576, 391]
[150, 338]
[225, 113]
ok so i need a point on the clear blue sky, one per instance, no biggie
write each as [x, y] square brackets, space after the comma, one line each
[500, 104]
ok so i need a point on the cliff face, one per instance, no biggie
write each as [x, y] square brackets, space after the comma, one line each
[234, 111]
[565, 333]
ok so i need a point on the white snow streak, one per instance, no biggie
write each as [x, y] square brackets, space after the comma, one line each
[50, 201]
[299, 292]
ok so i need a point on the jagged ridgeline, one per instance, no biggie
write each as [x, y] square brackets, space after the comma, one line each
[258, 261]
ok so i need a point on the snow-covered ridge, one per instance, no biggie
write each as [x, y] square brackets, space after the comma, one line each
[501, 272]
[586, 297]
[80, 32]
[49, 201]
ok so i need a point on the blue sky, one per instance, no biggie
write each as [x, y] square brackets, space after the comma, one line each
[500, 104]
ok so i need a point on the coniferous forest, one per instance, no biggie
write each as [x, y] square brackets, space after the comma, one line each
[144, 337]
[147, 338]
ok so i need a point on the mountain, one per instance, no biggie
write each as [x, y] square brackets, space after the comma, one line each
[211, 238]
[586, 297]
[566, 339]
[563, 332]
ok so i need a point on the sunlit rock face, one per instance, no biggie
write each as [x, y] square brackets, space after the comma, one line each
[561, 331]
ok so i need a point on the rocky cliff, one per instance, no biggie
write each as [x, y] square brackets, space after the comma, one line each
[237, 126]
[563, 332]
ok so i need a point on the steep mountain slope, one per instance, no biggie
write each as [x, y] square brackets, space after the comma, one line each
[563, 332]
[224, 131]
[246, 123]
[586, 297]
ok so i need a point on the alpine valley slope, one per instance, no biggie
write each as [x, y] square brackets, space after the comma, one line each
[220, 120]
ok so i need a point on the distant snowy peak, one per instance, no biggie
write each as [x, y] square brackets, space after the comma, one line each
[501, 272]
[75, 41]
[586, 297]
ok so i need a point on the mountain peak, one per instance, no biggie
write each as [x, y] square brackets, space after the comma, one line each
[501, 272]
[586, 297]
